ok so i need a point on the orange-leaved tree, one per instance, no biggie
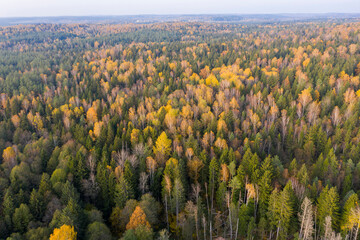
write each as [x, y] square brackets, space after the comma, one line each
[137, 218]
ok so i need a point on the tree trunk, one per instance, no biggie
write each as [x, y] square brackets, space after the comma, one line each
[204, 223]
[166, 212]
[356, 232]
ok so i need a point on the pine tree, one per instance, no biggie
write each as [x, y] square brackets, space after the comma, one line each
[8, 208]
[351, 201]
[328, 205]
[265, 187]
[21, 218]
[37, 204]
[281, 210]
[123, 192]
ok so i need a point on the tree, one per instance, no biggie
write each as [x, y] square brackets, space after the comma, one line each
[137, 218]
[328, 205]
[350, 203]
[354, 220]
[40, 233]
[139, 233]
[65, 232]
[162, 147]
[123, 192]
[250, 163]
[37, 205]
[120, 217]
[21, 218]
[9, 156]
[306, 219]
[91, 115]
[151, 207]
[265, 187]
[281, 210]
[328, 232]
[98, 231]
[213, 179]
[305, 98]
[178, 197]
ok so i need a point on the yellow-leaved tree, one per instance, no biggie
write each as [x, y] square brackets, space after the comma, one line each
[65, 232]
[9, 156]
[137, 218]
[162, 147]
[91, 115]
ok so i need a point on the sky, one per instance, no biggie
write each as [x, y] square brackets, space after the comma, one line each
[31, 8]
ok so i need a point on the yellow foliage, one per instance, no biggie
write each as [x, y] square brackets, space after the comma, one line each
[247, 72]
[135, 133]
[305, 97]
[172, 66]
[172, 162]
[221, 125]
[91, 115]
[212, 81]
[65, 232]
[97, 128]
[163, 144]
[78, 111]
[9, 154]
[306, 62]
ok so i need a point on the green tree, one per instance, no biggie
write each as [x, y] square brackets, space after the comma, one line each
[265, 187]
[37, 204]
[123, 192]
[21, 218]
[328, 205]
[281, 210]
[98, 231]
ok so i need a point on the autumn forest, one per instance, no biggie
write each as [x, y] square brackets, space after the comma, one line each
[180, 130]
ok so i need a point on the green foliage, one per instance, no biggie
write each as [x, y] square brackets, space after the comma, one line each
[98, 231]
[328, 205]
[281, 210]
[21, 218]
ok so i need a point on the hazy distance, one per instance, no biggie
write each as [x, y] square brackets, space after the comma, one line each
[26, 8]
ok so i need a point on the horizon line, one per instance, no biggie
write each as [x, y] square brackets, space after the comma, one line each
[183, 14]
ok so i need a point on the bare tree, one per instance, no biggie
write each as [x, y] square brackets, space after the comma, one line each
[196, 191]
[284, 124]
[336, 116]
[313, 113]
[329, 233]
[133, 161]
[120, 157]
[306, 218]
[140, 150]
[143, 184]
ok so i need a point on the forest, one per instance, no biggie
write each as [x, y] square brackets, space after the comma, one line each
[180, 130]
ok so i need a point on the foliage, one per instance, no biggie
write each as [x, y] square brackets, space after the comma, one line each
[65, 232]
